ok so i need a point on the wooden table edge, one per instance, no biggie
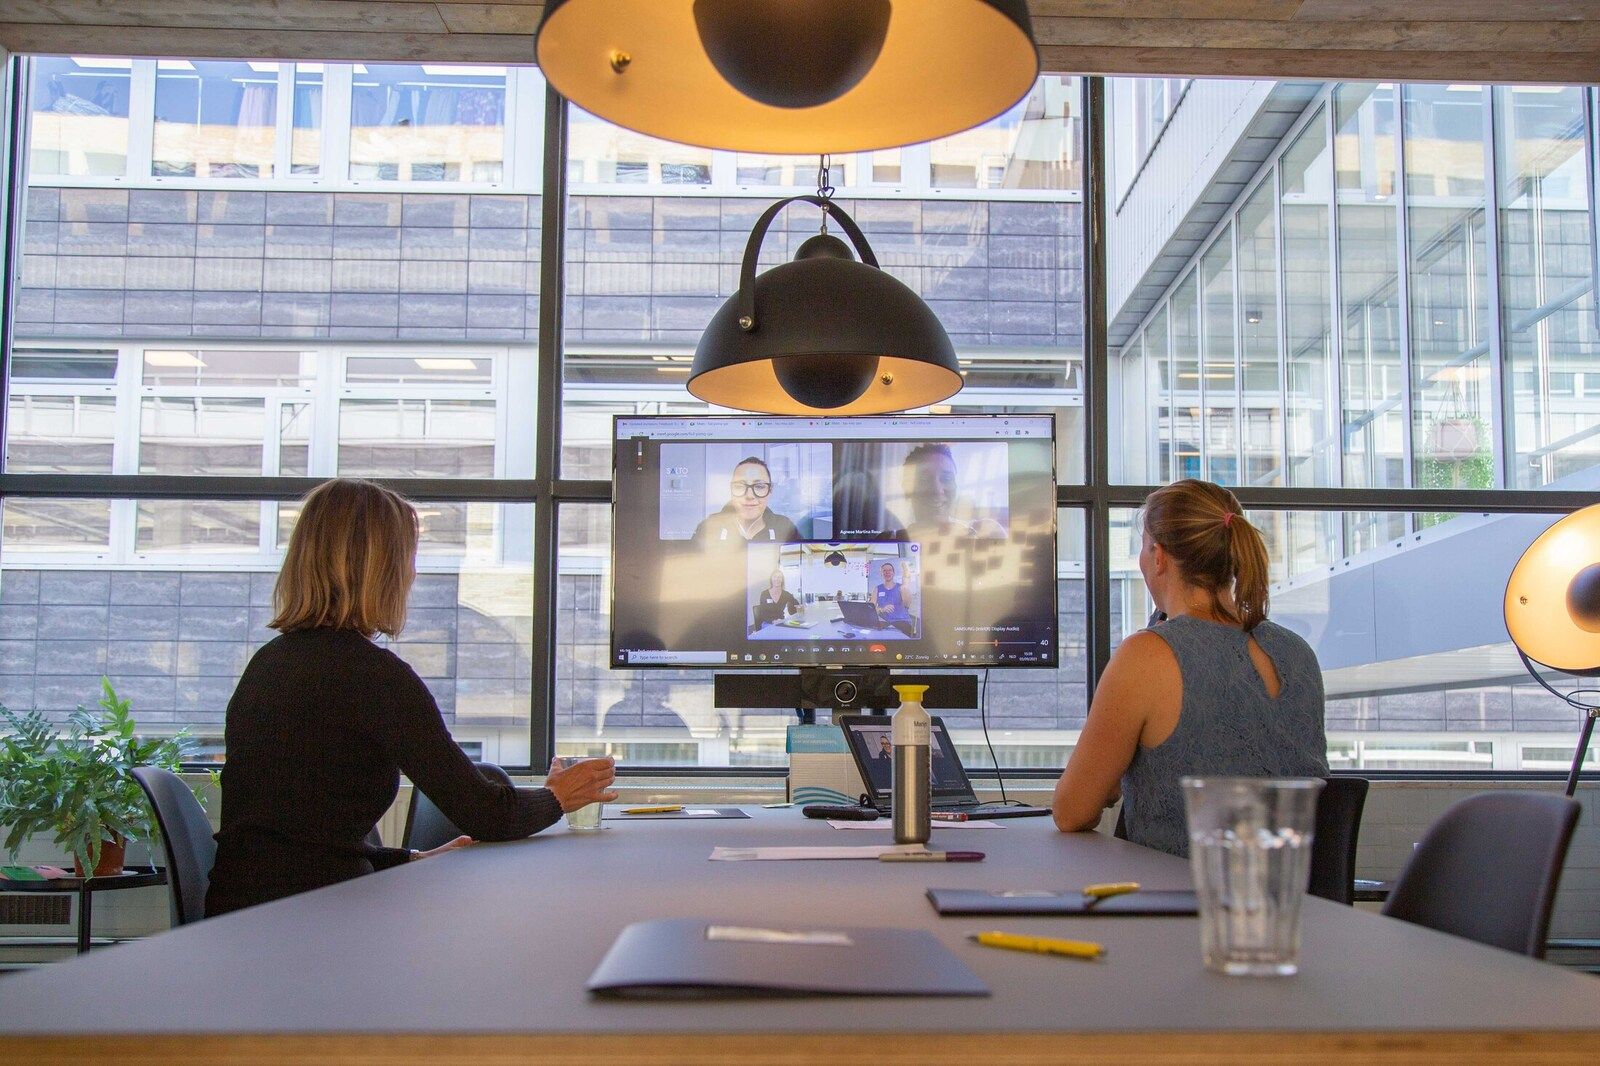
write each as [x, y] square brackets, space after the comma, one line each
[887, 1047]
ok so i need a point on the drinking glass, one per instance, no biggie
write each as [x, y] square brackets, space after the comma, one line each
[1250, 850]
[584, 819]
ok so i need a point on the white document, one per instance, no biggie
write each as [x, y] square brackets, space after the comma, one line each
[871, 851]
[888, 823]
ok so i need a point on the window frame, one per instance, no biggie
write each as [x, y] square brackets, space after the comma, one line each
[548, 491]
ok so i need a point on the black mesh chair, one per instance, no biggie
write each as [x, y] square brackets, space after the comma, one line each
[1333, 849]
[426, 825]
[1488, 869]
[186, 834]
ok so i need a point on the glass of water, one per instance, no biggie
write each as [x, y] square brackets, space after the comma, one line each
[1250, 850]
[584, 819]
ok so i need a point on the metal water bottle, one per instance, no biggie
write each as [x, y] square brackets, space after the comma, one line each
[913, 768]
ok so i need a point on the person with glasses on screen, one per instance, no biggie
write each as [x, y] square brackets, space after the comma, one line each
[325, 720]
[746, 516]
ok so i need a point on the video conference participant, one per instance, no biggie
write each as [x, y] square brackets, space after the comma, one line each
[775, 603]
[324, 721]
[931, 485]
[890, 599]
[746, 517]
[1215, 689]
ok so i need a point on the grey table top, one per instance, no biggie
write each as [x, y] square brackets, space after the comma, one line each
[500, 938]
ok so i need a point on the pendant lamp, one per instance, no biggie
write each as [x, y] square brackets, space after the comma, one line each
[824, 334]
[790, 76]
[1552, 612]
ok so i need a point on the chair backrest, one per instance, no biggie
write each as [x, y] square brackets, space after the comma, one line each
[426, 825]
[1488, 869]
[186, 833]
[1333, 849]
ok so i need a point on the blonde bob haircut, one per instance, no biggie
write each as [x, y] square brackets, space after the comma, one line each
[350, 563]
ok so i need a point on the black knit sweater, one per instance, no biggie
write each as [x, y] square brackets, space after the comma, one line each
[320, 729]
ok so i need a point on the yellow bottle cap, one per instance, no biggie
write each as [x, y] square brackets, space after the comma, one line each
[911, 693]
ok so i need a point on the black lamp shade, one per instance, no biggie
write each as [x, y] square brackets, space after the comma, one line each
[683, 70]
[823, 335]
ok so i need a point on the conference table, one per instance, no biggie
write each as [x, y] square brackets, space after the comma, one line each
[481, 955]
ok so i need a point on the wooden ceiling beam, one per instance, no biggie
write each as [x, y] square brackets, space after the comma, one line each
[1454, 40]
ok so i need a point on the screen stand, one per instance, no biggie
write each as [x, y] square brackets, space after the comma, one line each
[851, 690]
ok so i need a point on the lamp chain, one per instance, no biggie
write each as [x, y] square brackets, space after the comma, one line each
[824, 187]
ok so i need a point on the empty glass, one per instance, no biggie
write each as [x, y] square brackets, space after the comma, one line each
[1250, 850]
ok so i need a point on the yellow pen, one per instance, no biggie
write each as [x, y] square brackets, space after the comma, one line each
[1113, 888]
[669, 808]
[1041, 945]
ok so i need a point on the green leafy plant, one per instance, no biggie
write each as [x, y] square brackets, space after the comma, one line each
[79, 785]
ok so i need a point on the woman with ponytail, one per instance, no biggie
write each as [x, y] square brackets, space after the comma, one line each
[1213, 688]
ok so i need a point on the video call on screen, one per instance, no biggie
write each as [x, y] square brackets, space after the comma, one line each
[815, 541]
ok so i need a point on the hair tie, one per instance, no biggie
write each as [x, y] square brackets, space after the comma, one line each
[1227, 520]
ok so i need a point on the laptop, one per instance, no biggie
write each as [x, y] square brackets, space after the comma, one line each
[862, 615]
[871, 741]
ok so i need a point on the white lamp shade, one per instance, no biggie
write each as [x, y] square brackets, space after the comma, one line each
[1545, 597]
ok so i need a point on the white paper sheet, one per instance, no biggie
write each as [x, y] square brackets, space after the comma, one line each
[871, 851]
[888, 823]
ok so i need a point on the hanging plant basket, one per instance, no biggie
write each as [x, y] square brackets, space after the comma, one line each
[1453, 439]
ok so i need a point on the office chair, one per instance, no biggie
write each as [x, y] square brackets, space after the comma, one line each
[1333, 848]
[1488, 869]
[426, 825]
[186, 835]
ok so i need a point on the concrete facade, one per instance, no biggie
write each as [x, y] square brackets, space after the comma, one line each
[283, 265]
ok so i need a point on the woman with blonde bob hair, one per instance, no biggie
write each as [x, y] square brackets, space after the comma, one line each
[324, 721]
[1213, 688]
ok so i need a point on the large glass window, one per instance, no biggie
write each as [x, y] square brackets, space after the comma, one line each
[1374, 429]
[1547, 288]
[428, 122]
[1219, 378]
[215, 119]
[1452, 442]
[79, 121]
[1032, 146]
[1261, 434]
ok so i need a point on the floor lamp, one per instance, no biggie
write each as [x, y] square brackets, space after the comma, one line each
[1553, 613]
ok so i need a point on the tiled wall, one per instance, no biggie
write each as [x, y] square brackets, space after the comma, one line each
[175, 643]
[154, 263]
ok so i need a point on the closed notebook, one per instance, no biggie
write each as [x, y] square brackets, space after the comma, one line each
[695, 958]
[1030, 901]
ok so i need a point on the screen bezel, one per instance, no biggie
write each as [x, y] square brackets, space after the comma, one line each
[1054, 663]
[936, 732]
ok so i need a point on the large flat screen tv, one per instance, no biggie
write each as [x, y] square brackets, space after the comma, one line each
[757, 542]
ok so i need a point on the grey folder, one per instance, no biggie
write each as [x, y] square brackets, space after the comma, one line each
[973, 901]
[694, 958]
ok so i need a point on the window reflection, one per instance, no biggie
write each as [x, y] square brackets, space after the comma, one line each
[433, 122]
[79, 122]
[215, 119]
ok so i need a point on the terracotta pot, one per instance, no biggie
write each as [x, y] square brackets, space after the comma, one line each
[112, 854]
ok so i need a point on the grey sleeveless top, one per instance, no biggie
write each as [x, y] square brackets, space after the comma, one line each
[1228, 725]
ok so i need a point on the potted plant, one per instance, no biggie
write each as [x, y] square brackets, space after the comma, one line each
[80, 785]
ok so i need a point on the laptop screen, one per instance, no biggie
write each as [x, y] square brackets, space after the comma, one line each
[871, 739]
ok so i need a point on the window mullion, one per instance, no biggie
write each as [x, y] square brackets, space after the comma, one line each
[336, 125]
[141, 118]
